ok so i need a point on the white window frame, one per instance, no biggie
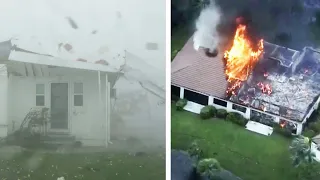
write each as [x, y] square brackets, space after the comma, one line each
[43, 94]
[74, 94]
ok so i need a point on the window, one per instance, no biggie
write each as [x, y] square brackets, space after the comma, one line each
[40, 100]
[175, 93]
[220, 102]
[239, 108]
[196, 97]
[78, 94]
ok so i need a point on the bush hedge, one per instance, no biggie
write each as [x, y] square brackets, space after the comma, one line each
[181, 103]
[222, 113]
[208, 112]
[312, 129]
[315, 126]
[236, 118]
[286, 132]
[309, 133]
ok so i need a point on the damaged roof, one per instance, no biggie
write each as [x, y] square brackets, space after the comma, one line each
[294, 85]
[11, 52]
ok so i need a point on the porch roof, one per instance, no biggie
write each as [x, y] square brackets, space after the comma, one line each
[9, 52]
[25, 57]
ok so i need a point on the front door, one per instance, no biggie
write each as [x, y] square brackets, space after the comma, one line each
[59, 107]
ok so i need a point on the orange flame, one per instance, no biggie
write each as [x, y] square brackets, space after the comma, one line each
[240, 59]
[265, 88]
[283, 124]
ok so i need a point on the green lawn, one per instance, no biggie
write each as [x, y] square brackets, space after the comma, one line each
[248, 155]
[88, 166]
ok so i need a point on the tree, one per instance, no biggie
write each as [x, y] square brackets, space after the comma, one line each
[301, 152]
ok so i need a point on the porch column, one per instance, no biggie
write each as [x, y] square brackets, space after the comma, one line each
[107, 110]
[229, 106]
[299, 128]
[210, 100]
[277, 119]
[102, 108]
[248, 113]
[181, 93]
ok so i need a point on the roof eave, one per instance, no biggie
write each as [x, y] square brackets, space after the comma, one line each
[24, 57]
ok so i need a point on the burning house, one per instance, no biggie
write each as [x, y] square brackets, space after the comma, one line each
[262, 81]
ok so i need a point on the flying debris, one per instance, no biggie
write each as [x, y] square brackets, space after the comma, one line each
[72, 23]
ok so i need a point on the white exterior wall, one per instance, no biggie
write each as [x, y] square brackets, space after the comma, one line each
[86, 123]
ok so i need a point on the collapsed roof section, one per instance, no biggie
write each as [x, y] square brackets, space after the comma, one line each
[284, 82]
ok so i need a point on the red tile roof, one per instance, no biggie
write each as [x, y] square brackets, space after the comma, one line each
[194, 70]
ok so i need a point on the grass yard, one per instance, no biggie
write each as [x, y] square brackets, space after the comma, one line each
[93, 166]
[248, 155]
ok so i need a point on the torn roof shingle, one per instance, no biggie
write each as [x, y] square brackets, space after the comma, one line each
[102, 61]
[194, 70]
[67, 47]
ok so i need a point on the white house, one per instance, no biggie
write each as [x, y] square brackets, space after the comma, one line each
[77, 93]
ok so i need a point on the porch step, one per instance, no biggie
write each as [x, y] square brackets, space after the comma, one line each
[58, 139]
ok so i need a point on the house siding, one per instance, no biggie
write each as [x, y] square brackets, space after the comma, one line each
[87, 123]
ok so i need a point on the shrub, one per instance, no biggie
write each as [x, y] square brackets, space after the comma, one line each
[174, 98]
[236, 118]
[286, 132]
[222, 113]
[309, 133]
[181, 103]
[315, 126]
[195, 151]
[208, 112]
[208, 167]
[233, 116]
